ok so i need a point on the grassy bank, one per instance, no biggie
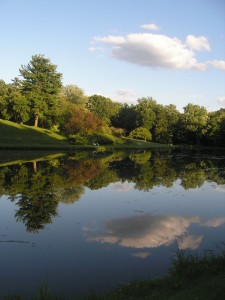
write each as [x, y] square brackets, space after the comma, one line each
[15, 136]
[19, 136]
[190, 277]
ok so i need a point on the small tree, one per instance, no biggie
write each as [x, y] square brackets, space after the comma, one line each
[84, 122]
[141, 133]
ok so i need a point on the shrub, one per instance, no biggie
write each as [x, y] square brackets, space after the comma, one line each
[141, 133]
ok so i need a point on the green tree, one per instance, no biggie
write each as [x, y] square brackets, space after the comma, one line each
[126, 118]
[18, 105]
[103, 107]
[141, 133]
[3, 100]
[146, 109]
[40, 85]
[215, 134]
[194, 121]
[74, 95]
[165, 124]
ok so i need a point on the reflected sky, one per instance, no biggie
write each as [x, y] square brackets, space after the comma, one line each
[147, 231]
[121, 222]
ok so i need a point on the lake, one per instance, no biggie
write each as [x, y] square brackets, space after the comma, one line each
[91, 221]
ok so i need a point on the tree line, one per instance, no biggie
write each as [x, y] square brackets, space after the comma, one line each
[39, 98]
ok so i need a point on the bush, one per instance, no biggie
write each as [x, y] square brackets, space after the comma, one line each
[79, 139]
[141, 133]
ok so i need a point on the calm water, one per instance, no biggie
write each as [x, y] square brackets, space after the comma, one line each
[90, 221]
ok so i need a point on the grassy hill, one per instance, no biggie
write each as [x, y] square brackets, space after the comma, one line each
[19, 136]
[22, 137]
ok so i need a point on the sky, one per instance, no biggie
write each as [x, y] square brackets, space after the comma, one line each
[170, 50]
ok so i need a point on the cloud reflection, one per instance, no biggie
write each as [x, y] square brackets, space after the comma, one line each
[142, 255]
[147, 231]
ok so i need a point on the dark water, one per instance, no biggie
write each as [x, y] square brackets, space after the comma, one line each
[90, 221]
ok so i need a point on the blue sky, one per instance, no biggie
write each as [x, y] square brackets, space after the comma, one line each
[171, 50]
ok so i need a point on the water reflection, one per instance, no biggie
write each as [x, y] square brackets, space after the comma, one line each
[38, 188]
[147, 231]
[101, 218]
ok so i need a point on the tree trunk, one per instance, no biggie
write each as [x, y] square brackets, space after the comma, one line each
[35, 166]
[36, 121]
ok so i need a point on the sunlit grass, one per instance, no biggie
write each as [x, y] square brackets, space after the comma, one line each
[19, 136]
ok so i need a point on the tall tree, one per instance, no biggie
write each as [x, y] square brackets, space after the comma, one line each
[146, 108]
[126, 118]
[166, 119]
[41, 83]
[194, 120]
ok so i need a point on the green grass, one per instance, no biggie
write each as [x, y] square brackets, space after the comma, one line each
[19, 136]
[190, 277]
[23, 137]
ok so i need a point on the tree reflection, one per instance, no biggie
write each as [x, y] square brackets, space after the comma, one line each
[38, 191]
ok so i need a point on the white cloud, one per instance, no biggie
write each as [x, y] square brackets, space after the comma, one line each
[159, 51]
[218, 64]
[92, 49]
[124, 96]
[221, 100]
[198, 43]
[150, 26]
[147, 231]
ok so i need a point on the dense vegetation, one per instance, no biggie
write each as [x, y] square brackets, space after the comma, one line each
[39, 98]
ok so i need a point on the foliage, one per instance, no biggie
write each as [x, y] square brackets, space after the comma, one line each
[126, 118]
[103, 107]
[40, 98]
[194, 120]
[141, 133]
[40, 85]
[146, 108]
[84, 122]
[73, 95]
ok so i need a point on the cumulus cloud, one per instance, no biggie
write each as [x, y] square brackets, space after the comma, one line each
[198, 43]
[147, 231]
[150, 26]
[159, 51]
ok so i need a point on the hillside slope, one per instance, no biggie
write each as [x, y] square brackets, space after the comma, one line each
[19, 136]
